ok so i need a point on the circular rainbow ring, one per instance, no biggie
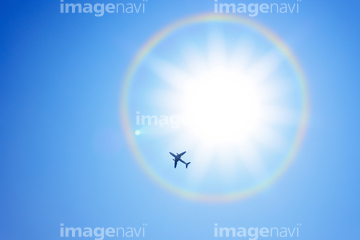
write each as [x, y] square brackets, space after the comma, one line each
[160, 36]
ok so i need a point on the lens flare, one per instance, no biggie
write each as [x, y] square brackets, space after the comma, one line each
[244, 96]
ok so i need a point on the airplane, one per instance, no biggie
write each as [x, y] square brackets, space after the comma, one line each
[177, 158]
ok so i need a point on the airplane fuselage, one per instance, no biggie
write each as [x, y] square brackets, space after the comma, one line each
[177, 158]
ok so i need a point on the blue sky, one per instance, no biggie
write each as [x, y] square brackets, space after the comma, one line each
[65, 158]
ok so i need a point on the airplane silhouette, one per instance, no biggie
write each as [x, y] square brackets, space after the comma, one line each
[177, 158]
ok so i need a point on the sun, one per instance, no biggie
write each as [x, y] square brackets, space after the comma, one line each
[225, 100]
[223, 106]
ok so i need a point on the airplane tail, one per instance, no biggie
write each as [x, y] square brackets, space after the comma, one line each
[187, 164]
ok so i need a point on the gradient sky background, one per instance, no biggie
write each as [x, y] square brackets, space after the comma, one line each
[64, 158]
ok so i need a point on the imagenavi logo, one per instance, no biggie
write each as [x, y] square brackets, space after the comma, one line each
[253, 9]
[99, 9]
[254, 233]
[100, 233]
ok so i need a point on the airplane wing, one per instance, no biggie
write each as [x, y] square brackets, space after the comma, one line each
[181, 154]
[175, 163]
[172, 154]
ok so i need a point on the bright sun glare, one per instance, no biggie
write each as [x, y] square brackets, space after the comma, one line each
[224, 99]
[222, 106]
